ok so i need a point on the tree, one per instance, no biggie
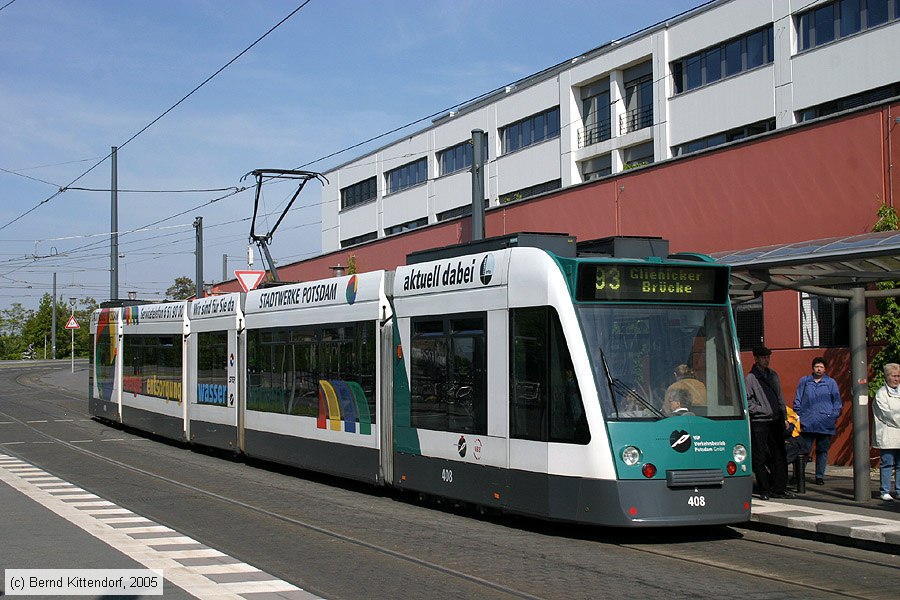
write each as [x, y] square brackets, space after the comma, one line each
[182, 289]
[885, 326]
[12, 322]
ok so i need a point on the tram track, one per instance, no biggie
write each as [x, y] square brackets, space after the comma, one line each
[271, 514]
[795, 581]
[759, 573]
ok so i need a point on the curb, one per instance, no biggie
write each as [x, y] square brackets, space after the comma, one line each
[870, 533]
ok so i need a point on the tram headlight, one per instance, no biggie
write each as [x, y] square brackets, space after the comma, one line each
[631, 456]
[740, 453]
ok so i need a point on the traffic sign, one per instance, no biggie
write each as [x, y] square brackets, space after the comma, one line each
[249, 279]
[72, 324]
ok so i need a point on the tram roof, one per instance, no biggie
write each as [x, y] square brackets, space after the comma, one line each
[827, 262]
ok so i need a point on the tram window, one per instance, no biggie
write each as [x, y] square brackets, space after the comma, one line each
[212, 366]
[448, 364]
[545, 402]
[153, 357]
[286, 367]
[304, 398]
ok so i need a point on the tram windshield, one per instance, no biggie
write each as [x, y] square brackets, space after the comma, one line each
[652, 362]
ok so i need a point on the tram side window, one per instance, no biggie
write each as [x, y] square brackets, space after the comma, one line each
[212, 367]
[104, 365]
[449, 373]
[545, 403]
[152, 365]
[91, 356]
[286, 368]
[304, 389]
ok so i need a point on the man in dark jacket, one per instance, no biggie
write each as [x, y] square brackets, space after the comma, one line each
[768, 421]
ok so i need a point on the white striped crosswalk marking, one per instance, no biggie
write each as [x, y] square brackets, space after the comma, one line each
[193, 569]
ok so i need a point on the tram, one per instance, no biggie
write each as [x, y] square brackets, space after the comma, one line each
[527, 373]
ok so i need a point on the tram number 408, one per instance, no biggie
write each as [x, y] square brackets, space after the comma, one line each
[697, 501]
[447, 475]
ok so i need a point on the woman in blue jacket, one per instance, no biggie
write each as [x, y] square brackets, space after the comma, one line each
[818, 404]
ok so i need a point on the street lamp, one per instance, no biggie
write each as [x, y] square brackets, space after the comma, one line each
[72, 301]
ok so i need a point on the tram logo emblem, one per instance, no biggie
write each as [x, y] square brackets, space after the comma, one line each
[680, 441]
[487, 269]
[461, 446]
[352, 288]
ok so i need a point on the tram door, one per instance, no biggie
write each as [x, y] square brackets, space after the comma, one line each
[386, 409]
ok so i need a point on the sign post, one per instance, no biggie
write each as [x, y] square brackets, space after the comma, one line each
[72, 325]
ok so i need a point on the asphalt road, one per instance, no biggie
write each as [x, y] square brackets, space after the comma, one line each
[337, 539]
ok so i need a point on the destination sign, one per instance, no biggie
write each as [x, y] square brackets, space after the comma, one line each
[651, 283]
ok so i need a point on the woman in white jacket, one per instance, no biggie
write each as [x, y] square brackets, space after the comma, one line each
[886, 410]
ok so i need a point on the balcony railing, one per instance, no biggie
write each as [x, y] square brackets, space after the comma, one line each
[594, 134]
[636, 118]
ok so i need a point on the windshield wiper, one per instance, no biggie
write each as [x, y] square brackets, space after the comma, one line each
[627, 391]
[618, 385]
[609, 380]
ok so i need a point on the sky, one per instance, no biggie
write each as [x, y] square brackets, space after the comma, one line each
[81, 76]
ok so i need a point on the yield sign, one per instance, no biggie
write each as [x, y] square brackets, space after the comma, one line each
[249, 279]
[72, 324]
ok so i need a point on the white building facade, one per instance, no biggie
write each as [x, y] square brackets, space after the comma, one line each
[725, 71]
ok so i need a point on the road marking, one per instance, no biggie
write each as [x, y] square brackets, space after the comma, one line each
[199, 570]
[38, 421]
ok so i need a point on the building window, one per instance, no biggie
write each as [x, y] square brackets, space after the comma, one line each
[407, 176]
[453, 213]
[530, 191]
[596, 168]
[408, 226]
[358, 193]
[748, 320]
[638, 98]
[849, 102]
[544, 401]
[732, 135]
[532, 130]
[448, 373]
[729, 58]
[842, 18]
[595, 114]
[638, 156]
[824, 322]
[359, 239]
[459, 157]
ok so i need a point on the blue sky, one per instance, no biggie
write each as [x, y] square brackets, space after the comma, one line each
[81, 76]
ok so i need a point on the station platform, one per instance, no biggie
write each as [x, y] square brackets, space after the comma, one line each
[830, 513]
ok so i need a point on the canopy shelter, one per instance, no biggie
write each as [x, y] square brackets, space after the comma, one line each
[818, 267]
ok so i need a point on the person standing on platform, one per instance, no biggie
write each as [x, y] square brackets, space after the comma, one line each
[818, 404]
[768, 421]
[886, 410]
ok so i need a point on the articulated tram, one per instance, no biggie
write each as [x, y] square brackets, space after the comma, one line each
[513, 373]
